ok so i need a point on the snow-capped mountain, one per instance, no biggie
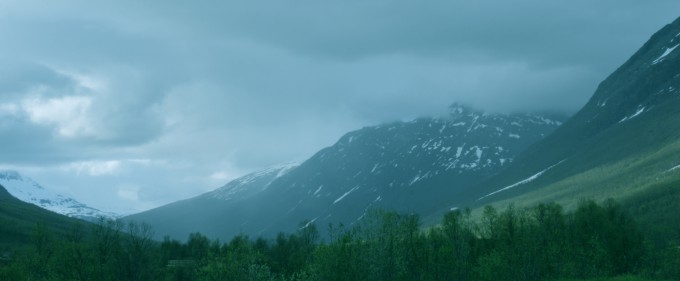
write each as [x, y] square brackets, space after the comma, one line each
[404, 166]
[27, 190]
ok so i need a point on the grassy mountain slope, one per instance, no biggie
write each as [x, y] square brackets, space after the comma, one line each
[623, 144]
[595, 136]
[18, 220]
[632, 163]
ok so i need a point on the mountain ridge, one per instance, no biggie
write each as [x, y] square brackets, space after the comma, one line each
[400, 165]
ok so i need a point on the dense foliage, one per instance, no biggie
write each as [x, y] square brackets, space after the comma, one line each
[539, 243]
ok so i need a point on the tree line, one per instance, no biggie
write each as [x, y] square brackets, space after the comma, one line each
[540, 243]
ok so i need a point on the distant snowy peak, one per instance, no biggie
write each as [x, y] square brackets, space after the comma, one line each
[27, 190]
[252, 183]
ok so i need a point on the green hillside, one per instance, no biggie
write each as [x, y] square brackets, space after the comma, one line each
[643, 183]
[623, 144]
[18, 220]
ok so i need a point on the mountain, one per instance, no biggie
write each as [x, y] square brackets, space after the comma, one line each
[212, 213]
[18, 221]
[405, 166]
[623, 144]
[27, 190]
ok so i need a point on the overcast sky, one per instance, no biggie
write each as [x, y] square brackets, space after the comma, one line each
[126, 105]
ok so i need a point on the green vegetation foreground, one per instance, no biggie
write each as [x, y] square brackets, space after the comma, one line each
[539, 243]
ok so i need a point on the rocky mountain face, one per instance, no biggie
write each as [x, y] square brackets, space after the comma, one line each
[27, 190]
[404, 166]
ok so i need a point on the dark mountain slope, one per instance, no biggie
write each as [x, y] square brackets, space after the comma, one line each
[215, 213]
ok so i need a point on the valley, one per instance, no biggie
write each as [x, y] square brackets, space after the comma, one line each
[420, 141]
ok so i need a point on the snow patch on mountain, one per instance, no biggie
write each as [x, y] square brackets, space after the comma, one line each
[524, 181]
[459, 151]
[638, 112]
[316, 193]
[479, 153]
[345, 195]
[665, 54]
[673, 169]
[27, 190]
[603, 103]
[544, 120]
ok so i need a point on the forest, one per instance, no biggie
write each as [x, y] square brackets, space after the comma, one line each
[595, 241]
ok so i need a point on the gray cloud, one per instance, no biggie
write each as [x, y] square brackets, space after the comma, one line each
[153, 101]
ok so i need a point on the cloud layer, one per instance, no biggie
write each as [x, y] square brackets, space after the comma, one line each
[131, 104]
